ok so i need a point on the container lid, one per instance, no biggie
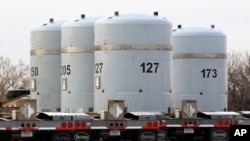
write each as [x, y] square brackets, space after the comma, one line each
[133, 18]
[197, 31]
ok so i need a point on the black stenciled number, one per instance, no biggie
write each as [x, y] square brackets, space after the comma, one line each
[34, 71]
[65, 70]
[214, 73]
[98, 67]
[148, 67]
[206, 73]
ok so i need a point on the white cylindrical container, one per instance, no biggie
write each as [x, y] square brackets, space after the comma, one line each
[77, 72]
[45, 64]
[200, 67]
[133, 57]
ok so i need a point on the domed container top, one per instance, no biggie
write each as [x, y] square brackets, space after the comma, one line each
[130, 28]
[200, 67]
[199, 39]
[45, 62]
[79, 32]
[133, 56]
[45, 36]
[77, 61]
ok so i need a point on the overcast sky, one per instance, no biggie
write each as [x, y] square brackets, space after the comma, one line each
[18, 17]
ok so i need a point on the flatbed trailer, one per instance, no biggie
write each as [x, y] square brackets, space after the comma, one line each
[149, 127]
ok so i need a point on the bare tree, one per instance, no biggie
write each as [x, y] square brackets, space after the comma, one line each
[239, 81]
[24, 75]
[12, 76]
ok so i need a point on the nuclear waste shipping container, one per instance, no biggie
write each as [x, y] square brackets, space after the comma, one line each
[77, 71]
[133, 56]
[45, 62]
[200, 67]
